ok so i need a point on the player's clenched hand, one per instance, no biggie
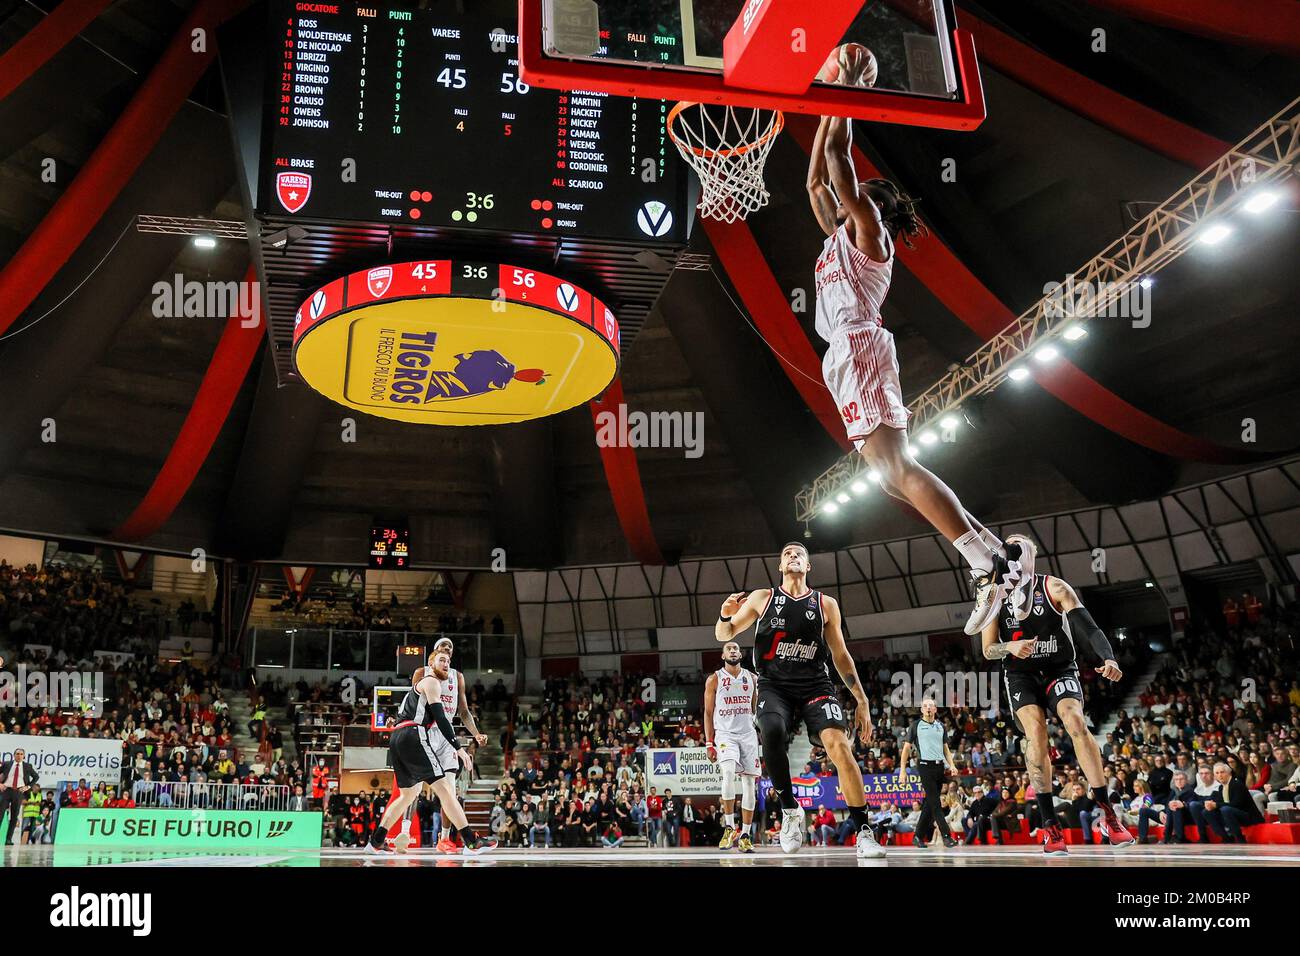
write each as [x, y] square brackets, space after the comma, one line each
[481, 739]
[865, 729]
[713, 753]
[1110, 670]
[733, 604]
[1022, 649]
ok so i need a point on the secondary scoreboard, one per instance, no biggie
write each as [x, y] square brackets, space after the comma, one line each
[379, 114]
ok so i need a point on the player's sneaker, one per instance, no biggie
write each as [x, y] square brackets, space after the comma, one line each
[920, 844]
[949, 841]
[376, 850]
[990, 592]
[745, 844]
[1054, 841]
[401, 842]
[447, 845]
[728, 839]
[868, 848]
[1114, 831]
[791, 830]
[480, 844]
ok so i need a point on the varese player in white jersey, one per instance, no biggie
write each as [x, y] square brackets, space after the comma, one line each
[456, 706]
[861, 222]
[730, 696]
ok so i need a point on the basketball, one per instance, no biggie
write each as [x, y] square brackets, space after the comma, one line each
[850, 64]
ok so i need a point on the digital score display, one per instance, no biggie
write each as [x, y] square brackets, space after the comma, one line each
[390, 547]
[419, 116]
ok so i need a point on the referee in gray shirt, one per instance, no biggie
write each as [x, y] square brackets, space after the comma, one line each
[928, 738]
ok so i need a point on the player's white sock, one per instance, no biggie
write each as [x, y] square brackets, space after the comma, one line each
[976, 552]
[731, 819]
[993, 541]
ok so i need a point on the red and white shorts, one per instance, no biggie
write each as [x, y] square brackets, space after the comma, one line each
[861, 371]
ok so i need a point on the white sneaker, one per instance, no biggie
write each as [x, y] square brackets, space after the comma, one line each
[991, 591]
[867, 847]
[791, 830]
[401, 842]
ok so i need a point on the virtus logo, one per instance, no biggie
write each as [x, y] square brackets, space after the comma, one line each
[76, 909]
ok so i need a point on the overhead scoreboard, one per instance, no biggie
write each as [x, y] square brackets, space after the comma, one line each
[390, 547]
[383, 114]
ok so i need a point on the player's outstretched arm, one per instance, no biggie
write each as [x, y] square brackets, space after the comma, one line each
[845, 666]
[819, 191]
[463, 712]
[738, 612]
[1082, 625]
[866, 230]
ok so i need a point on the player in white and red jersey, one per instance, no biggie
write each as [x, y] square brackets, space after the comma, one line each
[861, 222]
[456, 707]
[730, 696]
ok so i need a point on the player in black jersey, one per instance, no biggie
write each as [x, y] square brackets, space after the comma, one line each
[1034, 637]
[797, 636]
[412, 749]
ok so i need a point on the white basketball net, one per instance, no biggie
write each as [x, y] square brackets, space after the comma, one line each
[727, 146]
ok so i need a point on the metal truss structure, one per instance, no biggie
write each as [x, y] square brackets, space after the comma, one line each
[186, 226]
[1269, 154]
[1249, 522]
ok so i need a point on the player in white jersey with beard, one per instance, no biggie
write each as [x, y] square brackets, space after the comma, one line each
[730, 699]
[455, 706]
[861, 221]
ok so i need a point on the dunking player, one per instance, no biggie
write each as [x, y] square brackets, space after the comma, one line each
[730, 699]
[1040, 673]
[862, 221]
[412, 749]
[454, 705]
[798, 630]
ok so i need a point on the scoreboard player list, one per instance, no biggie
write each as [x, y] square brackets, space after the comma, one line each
[420, 117]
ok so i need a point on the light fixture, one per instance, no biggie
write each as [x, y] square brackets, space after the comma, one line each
[1074, 333]
[873, 475]
[205, 242]
[1214, 234]
[1018, 374]
[1262, 201]
[829, 508]
[1147, 282]
[1149, 584]
[913, 450]
[842, 498]
[1047, 353]
[949, 422]
[928, 438]
[859, 487]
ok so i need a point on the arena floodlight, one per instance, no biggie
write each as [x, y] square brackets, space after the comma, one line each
[1018, 374]
[873, 475]
[842, 498]
[1074, 333]
[1214, 234]
[1047, 353]
[859, 487]
[928, 438]
[949, 423]
[1147, 282]
[1262, 201]
[205, 242]
[829, 508]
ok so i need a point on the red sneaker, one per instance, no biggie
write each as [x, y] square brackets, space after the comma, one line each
[1054, 841]
[448, 846]
[1115, 832]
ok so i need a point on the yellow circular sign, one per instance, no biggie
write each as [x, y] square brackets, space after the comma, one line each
[444, 342]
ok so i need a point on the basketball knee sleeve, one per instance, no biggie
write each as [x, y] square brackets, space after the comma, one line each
[728, 780]
[776, 742]
[748, 795]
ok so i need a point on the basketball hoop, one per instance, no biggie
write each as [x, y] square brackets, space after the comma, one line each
[727, 146]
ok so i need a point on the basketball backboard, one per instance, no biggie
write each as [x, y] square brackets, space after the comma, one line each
[927, 73]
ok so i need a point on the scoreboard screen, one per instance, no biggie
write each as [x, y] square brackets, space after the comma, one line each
[390, 547]
[378, 114]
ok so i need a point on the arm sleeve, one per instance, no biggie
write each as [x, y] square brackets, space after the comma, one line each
[1083, 626]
